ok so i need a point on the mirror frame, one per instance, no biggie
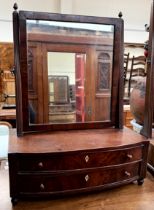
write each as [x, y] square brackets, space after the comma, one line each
[21, 67]
[149, 101]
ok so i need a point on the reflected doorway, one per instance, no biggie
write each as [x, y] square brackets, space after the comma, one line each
[66, 78]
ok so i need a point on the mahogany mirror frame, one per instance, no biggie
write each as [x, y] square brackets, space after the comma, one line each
[149, 99]
[21, 67]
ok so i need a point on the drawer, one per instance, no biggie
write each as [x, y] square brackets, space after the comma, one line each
[57, 182]
[78, 160]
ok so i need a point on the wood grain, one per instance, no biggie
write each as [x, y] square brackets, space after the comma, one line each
[61, 141]
[62, 163]
[130, 197]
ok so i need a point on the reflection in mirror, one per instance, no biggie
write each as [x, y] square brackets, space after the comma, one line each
[69, 71]
[66, 91]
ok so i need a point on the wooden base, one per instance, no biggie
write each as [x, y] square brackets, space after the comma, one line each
[65, 163]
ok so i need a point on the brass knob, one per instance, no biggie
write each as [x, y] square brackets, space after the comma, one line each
[87, 178]
[87, 158]
[127, 173]
[42, 187]
[129, 156]
[40, 164]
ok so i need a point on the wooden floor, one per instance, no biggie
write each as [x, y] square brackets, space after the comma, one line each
[129, 197]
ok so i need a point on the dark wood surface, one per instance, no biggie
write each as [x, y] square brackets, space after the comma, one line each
[149, 102]
[61, 163]
[126, 197]
[73, 140]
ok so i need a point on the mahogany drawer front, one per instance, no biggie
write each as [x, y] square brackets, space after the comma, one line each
[79, 160]
[57, 182]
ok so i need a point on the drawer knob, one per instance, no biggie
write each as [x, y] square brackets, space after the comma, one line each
[129, 156]
[127, 173]
[40, 164]
[87, 178]
[42, 187]
[87, 158]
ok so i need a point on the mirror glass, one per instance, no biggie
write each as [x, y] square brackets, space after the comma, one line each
[69, 71]
[65, 88]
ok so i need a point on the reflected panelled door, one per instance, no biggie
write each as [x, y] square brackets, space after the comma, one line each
[66, 70]
[70, 71]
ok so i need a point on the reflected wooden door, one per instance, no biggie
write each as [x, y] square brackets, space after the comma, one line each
[79, 86]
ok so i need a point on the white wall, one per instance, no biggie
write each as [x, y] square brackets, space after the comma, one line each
[136, 13]
[62, 64]
[6, 9]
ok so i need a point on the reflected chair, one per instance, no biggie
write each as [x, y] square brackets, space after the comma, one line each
[137, 71]
[126, 77]
[126, 60]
